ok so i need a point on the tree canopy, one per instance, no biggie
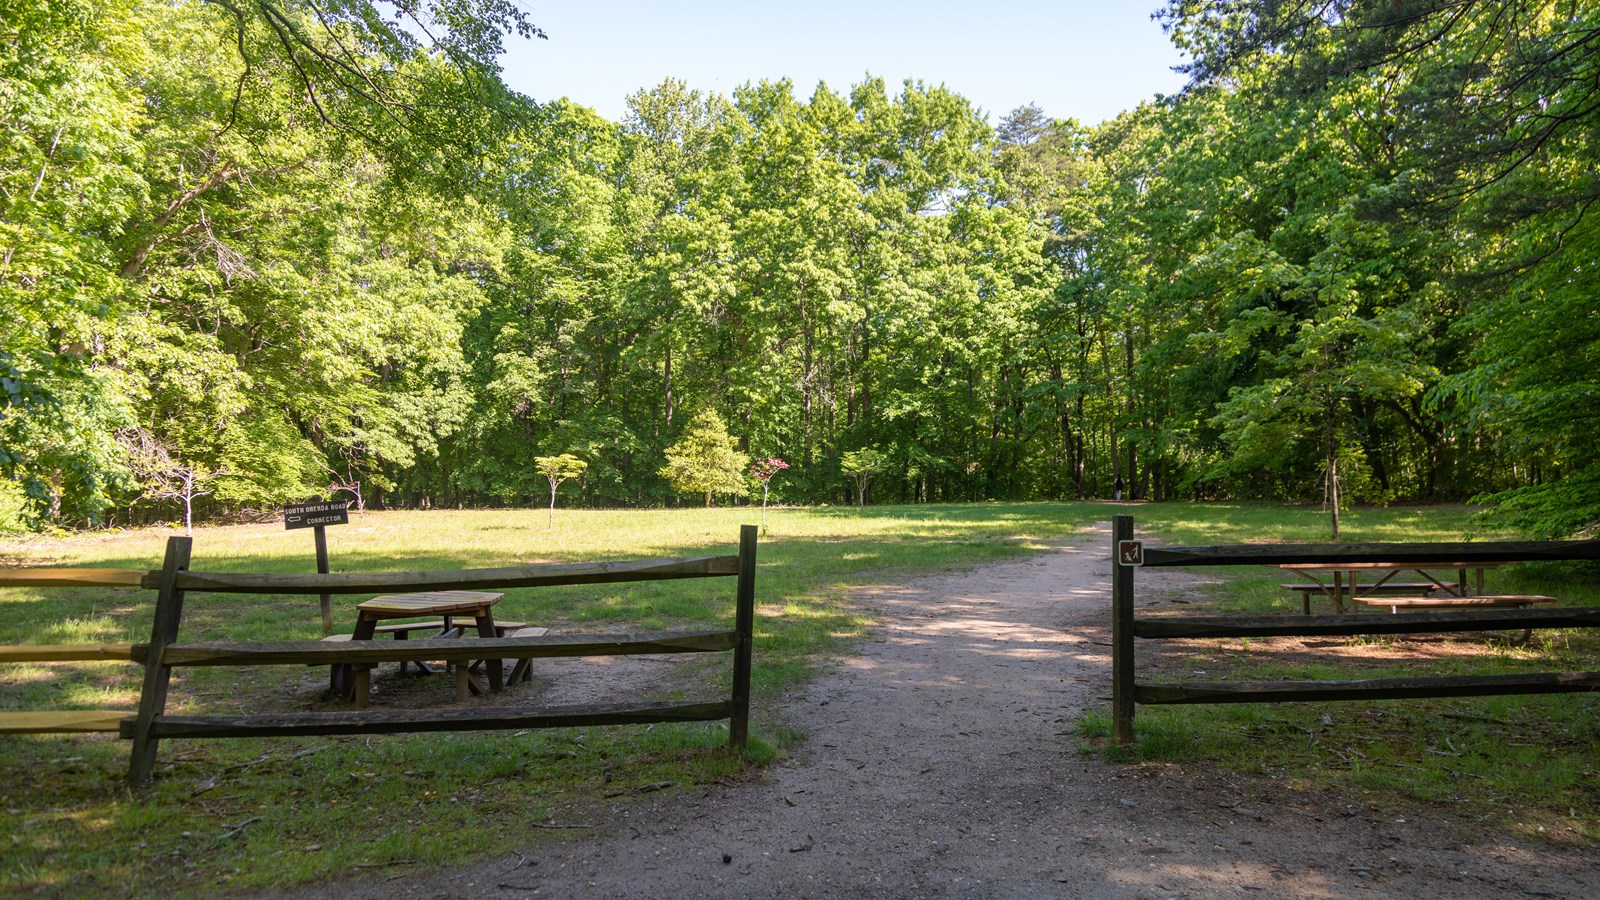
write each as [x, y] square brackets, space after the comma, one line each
[1352, 262]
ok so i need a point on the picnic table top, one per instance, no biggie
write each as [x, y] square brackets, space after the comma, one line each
[428, 603]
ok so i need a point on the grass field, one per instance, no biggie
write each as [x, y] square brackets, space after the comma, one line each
[244, 813]
[406, 800]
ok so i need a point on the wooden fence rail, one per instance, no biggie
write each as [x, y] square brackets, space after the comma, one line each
[71, 578]
[1126, 691]
[164, 652]
[66, 721]
[452, 580]
[70, 652]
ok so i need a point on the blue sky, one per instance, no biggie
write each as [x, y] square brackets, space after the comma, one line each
[1074, 59]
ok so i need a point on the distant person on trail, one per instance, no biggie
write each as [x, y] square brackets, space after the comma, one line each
[1119, 487]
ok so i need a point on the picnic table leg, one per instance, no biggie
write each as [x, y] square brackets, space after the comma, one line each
[494, 666]
[343, 674]
[363, 687]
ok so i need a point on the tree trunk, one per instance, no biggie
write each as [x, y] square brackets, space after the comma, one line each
[668, 405]
[1333, 468]
[1133, 488]
[1080, 453]
[1116, 456]
[1333, 492]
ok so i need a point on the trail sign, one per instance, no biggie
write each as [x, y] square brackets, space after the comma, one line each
[316, 514]
[1130, 553]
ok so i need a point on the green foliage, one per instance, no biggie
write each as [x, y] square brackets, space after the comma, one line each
[15, 507]
[1440, 231]
[558, 469]
[704, 459]
[286, 241]
[862, 465]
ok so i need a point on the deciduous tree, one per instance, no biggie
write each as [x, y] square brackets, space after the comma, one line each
[704, 459]
[557, 469]
[862, 465]
[763, 470]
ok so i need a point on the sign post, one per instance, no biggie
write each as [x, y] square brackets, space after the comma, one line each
[317, 514]
[1130, 553]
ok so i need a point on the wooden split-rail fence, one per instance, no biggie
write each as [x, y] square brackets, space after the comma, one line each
[1127, 691]
[164, 652]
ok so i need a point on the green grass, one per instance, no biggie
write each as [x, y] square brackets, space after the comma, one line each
[248, 813]
[1527, 763]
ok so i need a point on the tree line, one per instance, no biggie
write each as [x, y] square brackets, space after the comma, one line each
[255, 251]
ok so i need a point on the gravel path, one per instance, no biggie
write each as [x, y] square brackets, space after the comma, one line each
[941, 762]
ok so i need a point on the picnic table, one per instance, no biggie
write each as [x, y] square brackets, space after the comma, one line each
[1340, 581]
[448, 605]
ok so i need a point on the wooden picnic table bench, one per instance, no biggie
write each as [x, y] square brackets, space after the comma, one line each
[443, 628]
[465, 682]
[1393, 587]
[1396, 604]
[1519, 601]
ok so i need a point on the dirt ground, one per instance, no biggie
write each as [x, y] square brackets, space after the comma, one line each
[941, 762]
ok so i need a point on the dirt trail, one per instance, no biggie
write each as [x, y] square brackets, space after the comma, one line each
[940, 762]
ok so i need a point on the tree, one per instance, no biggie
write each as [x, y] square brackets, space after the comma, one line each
[762, 470]
[862, 465]
[1473, 120]
[558, 469]
[349, 483]
[704, 459]
[164, 477]
[417, 81]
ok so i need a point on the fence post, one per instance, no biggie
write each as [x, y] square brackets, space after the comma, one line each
[1121, 636]
[744, 630]
[153, 698]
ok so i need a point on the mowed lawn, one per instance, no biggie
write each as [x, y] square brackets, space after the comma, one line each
[250, 813]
